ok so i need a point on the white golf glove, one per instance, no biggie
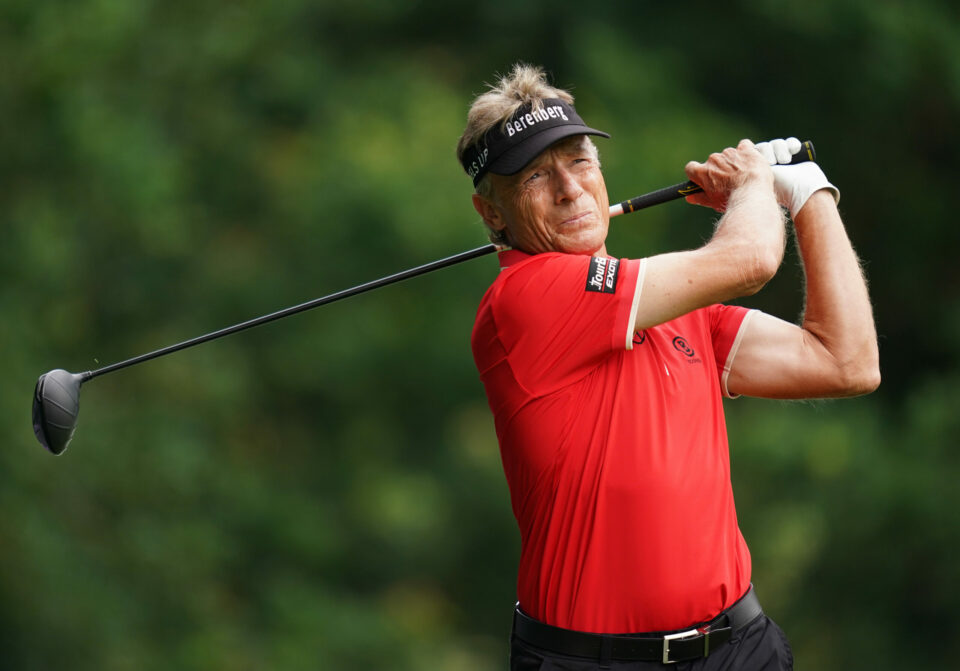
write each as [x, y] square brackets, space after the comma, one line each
[794, 184]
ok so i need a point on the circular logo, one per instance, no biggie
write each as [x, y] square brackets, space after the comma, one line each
[639, 337]
[680, 344]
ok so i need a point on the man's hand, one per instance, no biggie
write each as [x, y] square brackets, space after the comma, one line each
[742, 255]
[794, 184]
[727, 172]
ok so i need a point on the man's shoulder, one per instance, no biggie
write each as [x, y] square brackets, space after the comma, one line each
[514, 261]
[525, 268]
[519, 270]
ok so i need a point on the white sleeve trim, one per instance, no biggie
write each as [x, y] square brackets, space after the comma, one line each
[728, 364]
[631, 323]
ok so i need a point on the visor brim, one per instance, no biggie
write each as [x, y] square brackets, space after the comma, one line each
[517, 158]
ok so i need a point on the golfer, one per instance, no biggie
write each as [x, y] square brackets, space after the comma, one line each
[606, 375]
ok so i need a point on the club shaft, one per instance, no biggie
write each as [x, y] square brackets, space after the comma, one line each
[663, 195]
[302, 307]
[317, 302]
[632, 205]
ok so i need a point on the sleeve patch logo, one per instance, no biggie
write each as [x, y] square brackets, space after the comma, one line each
[602, 275]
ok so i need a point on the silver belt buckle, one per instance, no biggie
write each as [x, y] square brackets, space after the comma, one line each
[672, 637]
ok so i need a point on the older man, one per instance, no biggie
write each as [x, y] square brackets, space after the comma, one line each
[606, 376]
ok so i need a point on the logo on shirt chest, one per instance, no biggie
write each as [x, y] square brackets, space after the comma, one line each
[602, 275]
[681, 345]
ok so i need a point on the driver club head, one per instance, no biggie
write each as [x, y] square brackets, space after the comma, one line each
[56, 403]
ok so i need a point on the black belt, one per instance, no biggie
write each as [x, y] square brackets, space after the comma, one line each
[666, 648]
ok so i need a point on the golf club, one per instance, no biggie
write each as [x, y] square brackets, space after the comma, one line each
[56, 398]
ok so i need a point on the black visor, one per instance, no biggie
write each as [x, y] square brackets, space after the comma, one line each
[506, 149]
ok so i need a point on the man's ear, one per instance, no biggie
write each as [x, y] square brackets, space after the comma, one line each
[490, 212]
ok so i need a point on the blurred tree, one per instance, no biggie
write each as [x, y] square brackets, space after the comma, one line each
[327, 493]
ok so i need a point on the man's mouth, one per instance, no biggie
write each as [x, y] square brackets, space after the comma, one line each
[577, 219]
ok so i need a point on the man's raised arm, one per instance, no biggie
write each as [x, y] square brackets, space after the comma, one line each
[744, 253]
[834, 350]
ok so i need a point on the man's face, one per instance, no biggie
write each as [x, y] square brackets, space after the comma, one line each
[557, 203]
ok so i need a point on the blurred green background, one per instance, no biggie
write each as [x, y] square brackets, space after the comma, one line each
[326, 492]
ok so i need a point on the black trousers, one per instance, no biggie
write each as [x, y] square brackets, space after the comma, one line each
[759, 646]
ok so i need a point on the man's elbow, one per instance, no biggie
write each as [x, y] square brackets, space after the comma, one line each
[860, 379]
[759, 269]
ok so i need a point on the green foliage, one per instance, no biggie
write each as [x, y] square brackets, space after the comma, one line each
[327, 493]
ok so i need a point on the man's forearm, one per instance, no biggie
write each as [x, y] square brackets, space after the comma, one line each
[752, 232]
[838, 313]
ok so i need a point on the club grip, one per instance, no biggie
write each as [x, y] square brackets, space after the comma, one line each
[806, 153]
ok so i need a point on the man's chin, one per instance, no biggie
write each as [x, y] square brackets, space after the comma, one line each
[588, 246]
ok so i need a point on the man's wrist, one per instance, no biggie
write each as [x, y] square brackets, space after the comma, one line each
[795, 184]
[825, 197]
[753, 189]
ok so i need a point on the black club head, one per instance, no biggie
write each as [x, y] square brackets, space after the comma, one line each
[56, 403]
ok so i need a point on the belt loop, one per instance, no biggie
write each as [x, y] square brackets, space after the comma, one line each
[606, 651]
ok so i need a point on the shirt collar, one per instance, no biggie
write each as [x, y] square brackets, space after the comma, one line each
[511, 257]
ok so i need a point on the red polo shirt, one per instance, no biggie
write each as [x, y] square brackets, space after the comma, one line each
[613, 444]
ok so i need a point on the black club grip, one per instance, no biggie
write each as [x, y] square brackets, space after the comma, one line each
[806, 153]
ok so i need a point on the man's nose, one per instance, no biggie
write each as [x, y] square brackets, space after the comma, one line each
[567, 185]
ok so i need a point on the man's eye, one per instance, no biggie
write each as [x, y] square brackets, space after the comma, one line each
[533, 177]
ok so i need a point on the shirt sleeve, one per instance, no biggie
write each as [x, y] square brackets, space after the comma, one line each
[727, 326]
[559, 315]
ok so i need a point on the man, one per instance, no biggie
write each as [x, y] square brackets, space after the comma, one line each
[606, 377]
